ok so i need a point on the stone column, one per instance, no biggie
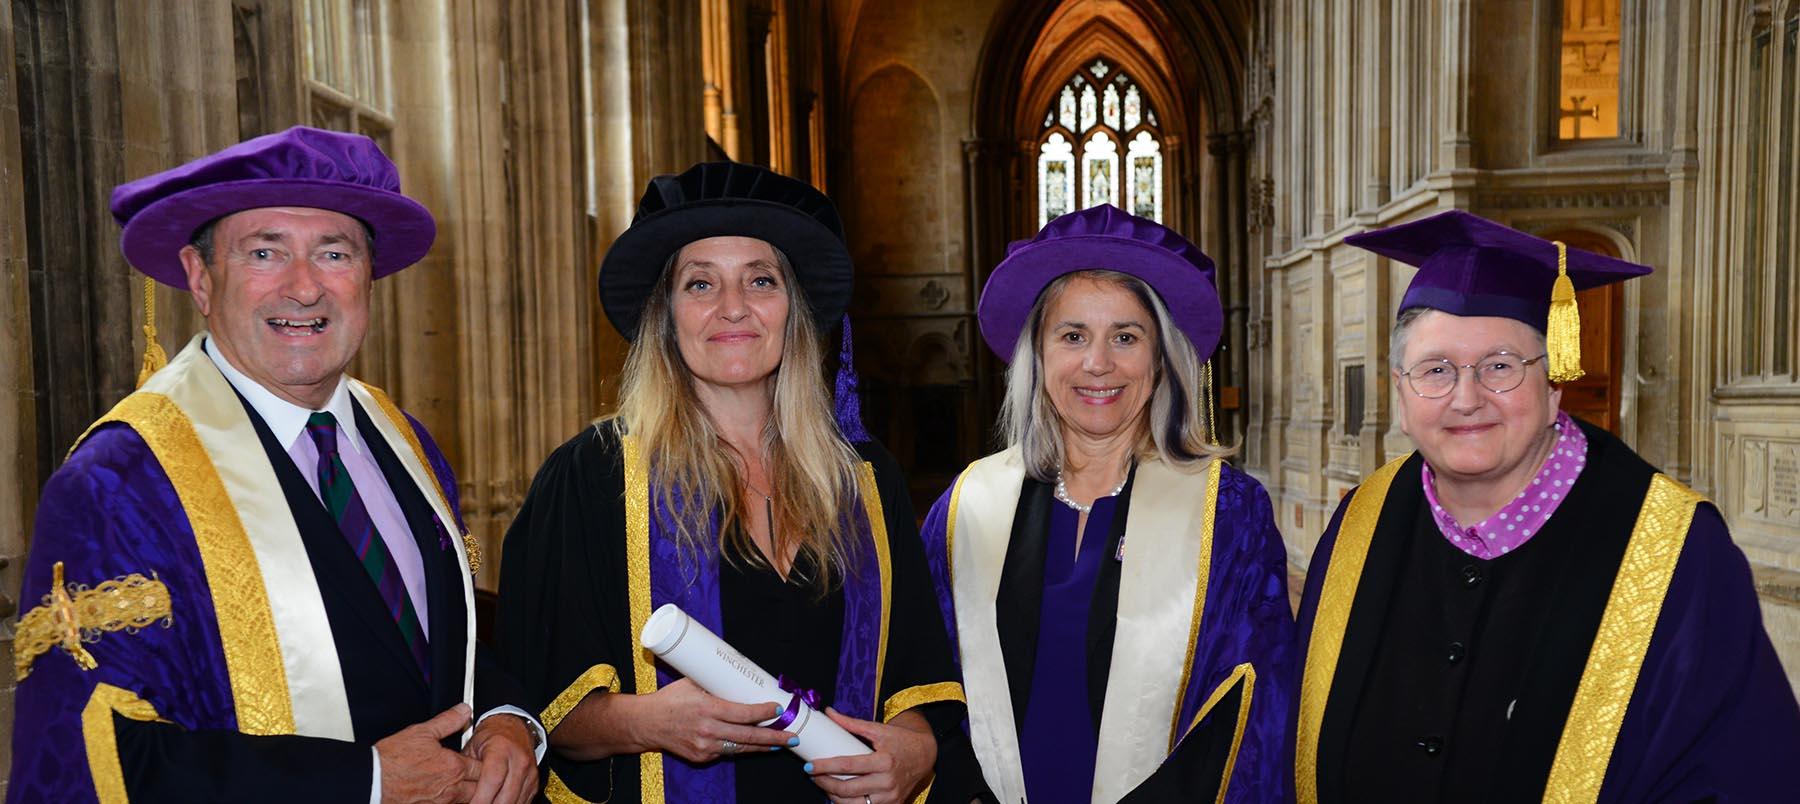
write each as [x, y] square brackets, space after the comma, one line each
[991, 196]
[1227, 157]
[1455, 146]
[18, 414]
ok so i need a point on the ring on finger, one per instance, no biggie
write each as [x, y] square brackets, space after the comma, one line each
[729, 747]
[867, 800]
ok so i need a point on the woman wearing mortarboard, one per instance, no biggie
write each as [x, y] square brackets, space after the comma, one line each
[1523, 609]
[725, 484]
[1117, 591]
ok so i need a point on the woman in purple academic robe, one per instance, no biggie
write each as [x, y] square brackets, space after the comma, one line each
[1523, 609]
[726, 485]
[1117, 591]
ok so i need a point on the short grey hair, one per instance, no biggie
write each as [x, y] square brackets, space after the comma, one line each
[1177, 422]
[1403, 328]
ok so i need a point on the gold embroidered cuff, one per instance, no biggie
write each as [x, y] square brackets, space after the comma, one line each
[921, 695]
[102, 744]
[72, 614]
[600, 675]
[1247, 673]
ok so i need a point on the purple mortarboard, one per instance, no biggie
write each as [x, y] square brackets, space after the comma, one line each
[1471, 266]
[299, 167]
[1106, 238]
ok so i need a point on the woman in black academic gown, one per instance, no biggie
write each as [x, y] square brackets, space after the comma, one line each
[728, 484]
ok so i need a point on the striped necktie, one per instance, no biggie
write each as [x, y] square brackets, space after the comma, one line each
[338, 492]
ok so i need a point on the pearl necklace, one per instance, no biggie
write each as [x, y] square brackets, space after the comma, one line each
[1062, 492]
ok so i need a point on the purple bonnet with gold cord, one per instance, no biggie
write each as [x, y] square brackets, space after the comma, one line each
[1103, 237]
[299, 167]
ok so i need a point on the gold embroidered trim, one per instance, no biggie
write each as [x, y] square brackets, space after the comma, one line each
[878, 532]
[74, 613]
[471, 546]
[925, 794]
[1620, 644]
[1330, 617]
[559, 793]
[102, 744]
[259, 689]
[637, 569]
[950, 540]
[1247, 672]
[596, 677]
[1202, 575]
[921, 695]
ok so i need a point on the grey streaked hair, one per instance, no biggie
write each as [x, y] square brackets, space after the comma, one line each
[1403, 325]
[1176, 431]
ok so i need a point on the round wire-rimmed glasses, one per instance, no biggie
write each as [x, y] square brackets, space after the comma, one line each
[1435, 378]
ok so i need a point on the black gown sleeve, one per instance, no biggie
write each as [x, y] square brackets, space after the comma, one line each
[563, 626]
[919, 665]
[165, 762]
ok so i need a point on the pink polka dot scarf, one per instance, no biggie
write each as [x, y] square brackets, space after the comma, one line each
[1514, 524]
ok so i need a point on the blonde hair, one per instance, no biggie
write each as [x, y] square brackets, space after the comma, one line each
[1175, 431]
[813, 470]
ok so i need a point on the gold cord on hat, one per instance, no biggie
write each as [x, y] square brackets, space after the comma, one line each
[1212, 413]
[154, 356]
[1562, 336]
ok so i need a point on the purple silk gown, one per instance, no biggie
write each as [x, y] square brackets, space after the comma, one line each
[1060, 738]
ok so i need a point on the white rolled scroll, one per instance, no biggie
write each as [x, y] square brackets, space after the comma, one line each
[698, 653]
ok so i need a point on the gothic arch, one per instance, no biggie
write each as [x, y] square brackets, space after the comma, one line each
[890, 211]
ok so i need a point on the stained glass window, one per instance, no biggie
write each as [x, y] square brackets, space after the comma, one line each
[1100, 171]
[1144, 154]
[1103, 117]
[1056, 178]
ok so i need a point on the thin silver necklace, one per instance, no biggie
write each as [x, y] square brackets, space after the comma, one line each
[1062, 492]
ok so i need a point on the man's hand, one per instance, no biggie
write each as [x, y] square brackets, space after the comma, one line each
[509, 772]
[417, 769]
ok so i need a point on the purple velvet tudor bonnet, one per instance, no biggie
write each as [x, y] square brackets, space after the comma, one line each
[1107, 238]
[299, 167]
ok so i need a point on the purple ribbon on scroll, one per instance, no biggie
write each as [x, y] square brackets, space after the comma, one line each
[801, 694]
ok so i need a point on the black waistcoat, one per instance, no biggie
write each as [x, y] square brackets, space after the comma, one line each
[1457, 673]
[386, 689]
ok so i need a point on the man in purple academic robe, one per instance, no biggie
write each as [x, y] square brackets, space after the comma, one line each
[249, 578]
[1524, 609]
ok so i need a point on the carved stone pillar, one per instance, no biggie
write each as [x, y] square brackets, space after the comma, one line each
[758, 19]
[111, 91]
[1455, 148]
[1219, 148]
[992, 190]
[18, 415]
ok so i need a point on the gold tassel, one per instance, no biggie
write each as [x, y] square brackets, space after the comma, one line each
[1212, 414]
[68, 621]
[154, 356]
[1563, 334]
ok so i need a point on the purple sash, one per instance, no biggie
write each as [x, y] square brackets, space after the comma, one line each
[692, 582]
